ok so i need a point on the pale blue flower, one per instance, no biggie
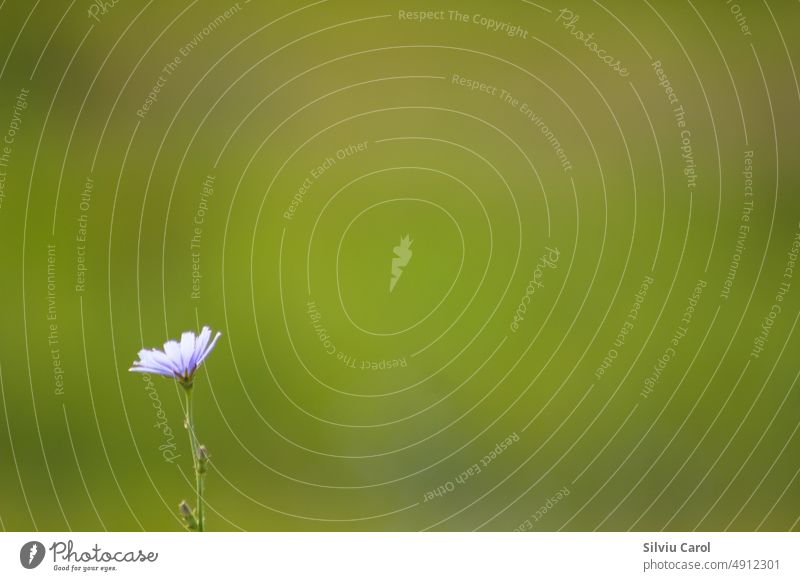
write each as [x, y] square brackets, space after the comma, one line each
[178, 360]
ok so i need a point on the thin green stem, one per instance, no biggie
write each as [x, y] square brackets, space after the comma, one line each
[201, 509]
[198, 475]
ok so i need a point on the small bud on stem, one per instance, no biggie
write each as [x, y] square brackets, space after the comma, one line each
[188, 515]
[202, 459]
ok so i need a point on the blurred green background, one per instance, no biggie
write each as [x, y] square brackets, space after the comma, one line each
[331, 403]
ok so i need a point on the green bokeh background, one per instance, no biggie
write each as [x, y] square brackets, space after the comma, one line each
[300, 440]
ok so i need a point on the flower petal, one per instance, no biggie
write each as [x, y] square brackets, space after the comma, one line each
[172, 350]
[160, 359]
[200, 345]
[157, 367]
[154, 370]
[187, 350]
[144, 357]
[208, 349]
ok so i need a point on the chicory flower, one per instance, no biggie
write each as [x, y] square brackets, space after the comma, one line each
[178, 359]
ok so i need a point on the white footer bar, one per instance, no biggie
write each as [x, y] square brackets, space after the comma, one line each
[389, 556]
